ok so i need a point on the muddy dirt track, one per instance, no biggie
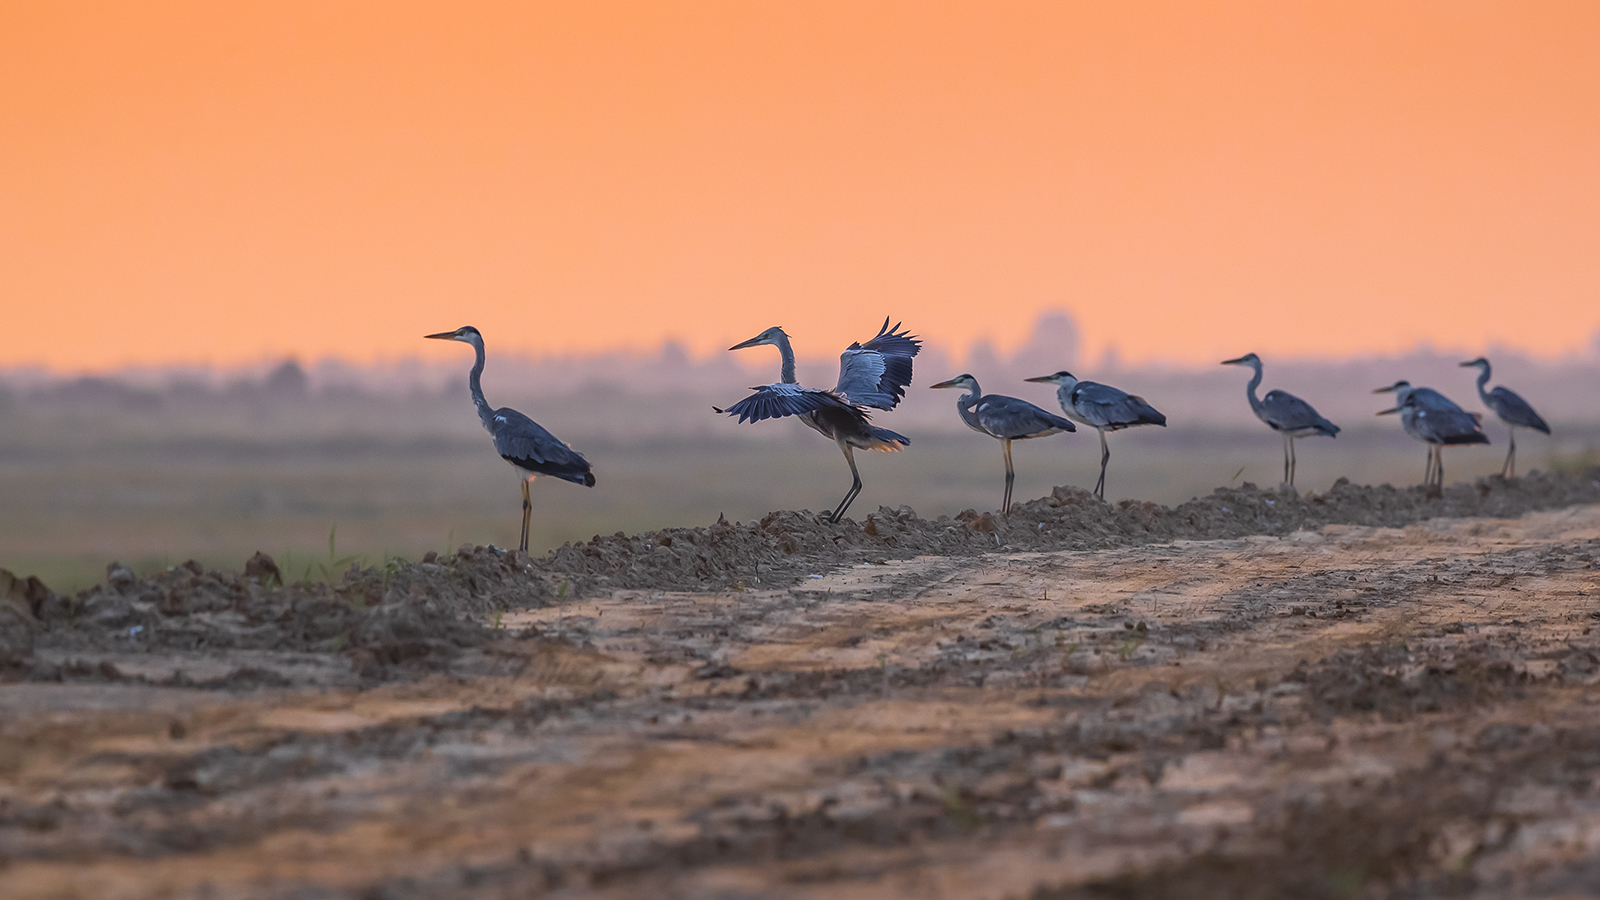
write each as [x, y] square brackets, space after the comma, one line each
[1367, 693]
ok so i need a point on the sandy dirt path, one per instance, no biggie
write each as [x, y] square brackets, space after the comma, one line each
[1347, 712]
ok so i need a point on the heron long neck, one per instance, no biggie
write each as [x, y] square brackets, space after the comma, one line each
[1250, 389]
[787, 376]
[1483, 382]
[966, 402]
[485, 414]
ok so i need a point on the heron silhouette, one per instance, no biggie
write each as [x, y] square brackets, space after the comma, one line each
[1512, 410]
[1005, 419]
[520, 441]
[1438, 427]
[1103, 408]
[1284, 413]
[874, 374]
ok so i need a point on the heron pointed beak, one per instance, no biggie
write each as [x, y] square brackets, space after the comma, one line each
[1233, 362]
[753, 342]
[442, 336]
[1469, 365]
[1042, 379]
[1384, 390]
[954, 382]
[1385, 412]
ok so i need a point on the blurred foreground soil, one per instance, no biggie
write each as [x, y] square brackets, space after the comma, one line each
[1357, 694]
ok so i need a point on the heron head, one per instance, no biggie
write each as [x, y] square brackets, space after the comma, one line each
[770, 336]
[960, 381]
[465, 333]
[1249, 359]
[1480, 362]
[1399, 387]
[1062, 378]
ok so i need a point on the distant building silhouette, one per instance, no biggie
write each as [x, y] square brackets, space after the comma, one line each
[1054, 345]
[287, 380]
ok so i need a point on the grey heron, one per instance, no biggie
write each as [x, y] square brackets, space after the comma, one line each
[1103, 408]
[1439, 427]
[1004, 418]
[1284, 413]
[530, 449]
[872, 374]
[1512, 410]
[1426, 398]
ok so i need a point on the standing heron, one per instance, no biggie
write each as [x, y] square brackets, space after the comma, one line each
[1284, 413]
[1512, 410]
[1426, 398]
[1004, 418]
[873, 374]
[530, 449]
[1103, 408]
[1439, 427]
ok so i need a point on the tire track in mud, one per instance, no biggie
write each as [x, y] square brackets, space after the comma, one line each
[1351, 709]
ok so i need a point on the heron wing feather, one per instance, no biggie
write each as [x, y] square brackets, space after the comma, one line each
[876, 373]
[1511, 407]
[525, 443]
[774, 401]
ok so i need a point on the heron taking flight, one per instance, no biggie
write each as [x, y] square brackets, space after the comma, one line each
[873, 374]
[1284, 413]
[1103, 408]
[1004, 418]
[530, 449]
[1512, 410]
[1439, 427]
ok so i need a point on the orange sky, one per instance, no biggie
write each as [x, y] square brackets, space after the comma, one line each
[225, 182]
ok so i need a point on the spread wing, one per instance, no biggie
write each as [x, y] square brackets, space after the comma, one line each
[774, 401]
[876, 373]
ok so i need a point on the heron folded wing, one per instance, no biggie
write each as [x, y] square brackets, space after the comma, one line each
[1511, 407]
[876, 373]
[1286, 412]
[526, 444]
[1108, 407]
[774, 401]
[1008, 417]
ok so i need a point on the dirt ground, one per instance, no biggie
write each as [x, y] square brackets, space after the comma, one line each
[1368, 693]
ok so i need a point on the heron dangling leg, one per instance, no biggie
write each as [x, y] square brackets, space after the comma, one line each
[527, 513]
[1011, 475]
[855, 486]
[1105, 455]
[1509, 470]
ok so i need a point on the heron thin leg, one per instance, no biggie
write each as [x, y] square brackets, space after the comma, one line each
[1286, 445]
[527, 514]
[1427, 471]
[1438, 471]
[1294, 462]
[855, 486]
[1105, 455]
[1509, 470]
[1011, 475]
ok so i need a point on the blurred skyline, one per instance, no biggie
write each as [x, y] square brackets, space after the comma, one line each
[194, 184]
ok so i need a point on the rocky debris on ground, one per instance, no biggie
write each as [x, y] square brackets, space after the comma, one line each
[418, 616]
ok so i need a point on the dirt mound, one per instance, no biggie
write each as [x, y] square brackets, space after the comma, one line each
[407, 617]
[785, 546]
